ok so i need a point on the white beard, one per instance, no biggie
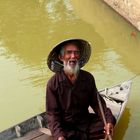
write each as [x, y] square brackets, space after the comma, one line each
[71, 70]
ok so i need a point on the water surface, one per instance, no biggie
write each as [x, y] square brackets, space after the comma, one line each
[30, 29]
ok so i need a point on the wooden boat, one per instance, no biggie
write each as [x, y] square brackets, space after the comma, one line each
[35, 128]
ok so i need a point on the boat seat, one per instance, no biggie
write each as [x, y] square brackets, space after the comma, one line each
[114, 106]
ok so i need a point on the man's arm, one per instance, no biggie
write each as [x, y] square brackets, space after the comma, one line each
[95, 104]
[54, 112]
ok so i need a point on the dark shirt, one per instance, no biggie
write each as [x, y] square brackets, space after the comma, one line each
[67, 104]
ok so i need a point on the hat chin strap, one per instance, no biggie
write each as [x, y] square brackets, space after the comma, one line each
[56, 66]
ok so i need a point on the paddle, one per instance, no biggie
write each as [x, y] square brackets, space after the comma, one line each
[108, 136]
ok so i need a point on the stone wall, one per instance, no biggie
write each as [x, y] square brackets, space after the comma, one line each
[129, 9]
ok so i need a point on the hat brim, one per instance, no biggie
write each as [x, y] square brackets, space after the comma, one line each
[54, 62]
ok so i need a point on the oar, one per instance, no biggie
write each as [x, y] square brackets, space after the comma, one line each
[108, 136]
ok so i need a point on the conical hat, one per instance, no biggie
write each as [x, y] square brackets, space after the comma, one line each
[54, 62]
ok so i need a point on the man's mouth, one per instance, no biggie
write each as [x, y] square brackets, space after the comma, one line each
[72, 62]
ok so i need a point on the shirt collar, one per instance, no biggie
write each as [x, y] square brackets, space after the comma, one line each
[63, 77]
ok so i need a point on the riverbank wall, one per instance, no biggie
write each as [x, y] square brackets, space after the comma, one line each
[129, 9]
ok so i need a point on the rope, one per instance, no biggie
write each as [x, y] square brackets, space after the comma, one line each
[134, 76]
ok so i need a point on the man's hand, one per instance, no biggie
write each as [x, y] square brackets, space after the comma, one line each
[109, 129]
[61, 138]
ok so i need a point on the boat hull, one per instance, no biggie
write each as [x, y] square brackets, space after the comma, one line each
[116, 98]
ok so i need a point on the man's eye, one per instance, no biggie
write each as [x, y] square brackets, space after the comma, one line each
[72, 52]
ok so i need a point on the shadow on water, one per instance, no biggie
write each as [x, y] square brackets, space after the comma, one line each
[122, 125]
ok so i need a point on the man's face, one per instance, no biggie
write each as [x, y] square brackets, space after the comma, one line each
[70, 58]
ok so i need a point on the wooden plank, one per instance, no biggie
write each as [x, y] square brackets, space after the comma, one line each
[35, 135]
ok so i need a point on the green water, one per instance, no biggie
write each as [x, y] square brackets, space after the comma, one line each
[29, 30]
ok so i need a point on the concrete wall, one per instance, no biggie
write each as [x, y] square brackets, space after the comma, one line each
[129, 9]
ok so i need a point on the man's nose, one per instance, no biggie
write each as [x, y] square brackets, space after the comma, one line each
[73, 55]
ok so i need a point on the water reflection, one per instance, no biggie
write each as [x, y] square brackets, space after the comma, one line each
[53, 8]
